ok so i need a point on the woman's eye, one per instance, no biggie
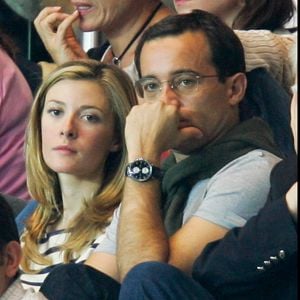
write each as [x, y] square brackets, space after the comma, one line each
[91, 118]
[54, 112]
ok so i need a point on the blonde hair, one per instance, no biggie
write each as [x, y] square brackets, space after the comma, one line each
[43, 183]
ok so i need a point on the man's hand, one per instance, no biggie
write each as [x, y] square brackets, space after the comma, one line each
[55, 29]
[151, 128]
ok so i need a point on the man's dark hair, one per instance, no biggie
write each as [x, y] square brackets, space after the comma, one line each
[8, 227]
[226, 49]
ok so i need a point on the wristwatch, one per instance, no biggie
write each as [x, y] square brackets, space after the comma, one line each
[142, 170]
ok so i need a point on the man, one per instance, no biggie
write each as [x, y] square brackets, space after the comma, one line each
[198, 85]
[192, 80]
[10, 257]
[256, 261]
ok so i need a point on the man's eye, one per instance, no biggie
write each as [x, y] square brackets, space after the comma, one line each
[151, 87]
[186, 82]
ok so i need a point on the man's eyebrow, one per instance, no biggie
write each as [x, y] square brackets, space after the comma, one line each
[176, 72]
[184, 71]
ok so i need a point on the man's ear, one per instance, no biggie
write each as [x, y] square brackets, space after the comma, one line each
[13, 255]
[237, 85]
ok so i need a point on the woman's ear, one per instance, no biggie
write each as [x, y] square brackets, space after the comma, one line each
[237, 85]
[13, 255]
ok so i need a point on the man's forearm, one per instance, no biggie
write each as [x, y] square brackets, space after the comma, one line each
[141, 235]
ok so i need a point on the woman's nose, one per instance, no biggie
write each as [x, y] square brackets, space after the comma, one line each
[69, 129]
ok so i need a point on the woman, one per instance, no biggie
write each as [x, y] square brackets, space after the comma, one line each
[245, 14]
[75, 157]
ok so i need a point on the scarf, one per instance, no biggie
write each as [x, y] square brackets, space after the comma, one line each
[179, 178]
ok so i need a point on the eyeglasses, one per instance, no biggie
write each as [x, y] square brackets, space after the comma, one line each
[183, 84]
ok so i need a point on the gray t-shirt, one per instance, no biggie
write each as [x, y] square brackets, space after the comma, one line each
[229, 198]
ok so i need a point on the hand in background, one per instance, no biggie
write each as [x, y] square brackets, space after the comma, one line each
[56, 32]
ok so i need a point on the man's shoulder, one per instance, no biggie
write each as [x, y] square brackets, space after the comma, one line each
[252, 159]
[254, 166]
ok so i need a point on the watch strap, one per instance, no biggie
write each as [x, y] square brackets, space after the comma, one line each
[154, 172]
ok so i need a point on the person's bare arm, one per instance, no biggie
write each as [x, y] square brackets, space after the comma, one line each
[142, 235]
[105, 263]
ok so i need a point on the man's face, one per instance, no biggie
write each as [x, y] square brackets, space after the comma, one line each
[209, 109]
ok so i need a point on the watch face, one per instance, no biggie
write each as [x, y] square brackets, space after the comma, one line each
[140, 170]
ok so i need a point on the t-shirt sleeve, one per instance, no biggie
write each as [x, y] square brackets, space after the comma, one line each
[238, 191]
[109, 243]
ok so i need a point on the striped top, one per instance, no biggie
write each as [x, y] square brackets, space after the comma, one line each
[49, 247]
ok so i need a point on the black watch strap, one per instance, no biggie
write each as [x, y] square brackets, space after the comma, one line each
[142, 170]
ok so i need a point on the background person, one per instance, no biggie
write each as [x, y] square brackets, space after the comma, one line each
[122, 23]
[15, 103]
[10, 257]
[244, 14]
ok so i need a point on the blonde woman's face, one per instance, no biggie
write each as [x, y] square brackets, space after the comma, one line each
[77, 129]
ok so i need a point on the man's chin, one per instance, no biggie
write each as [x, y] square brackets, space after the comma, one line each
[188, 146]
[190, 139]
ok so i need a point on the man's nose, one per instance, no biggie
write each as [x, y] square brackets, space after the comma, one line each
[168, 95]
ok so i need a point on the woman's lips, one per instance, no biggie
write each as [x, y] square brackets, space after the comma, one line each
[64, 149]
[82, 8]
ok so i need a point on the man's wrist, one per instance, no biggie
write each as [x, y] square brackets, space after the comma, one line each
[142, 170]
[151, 157]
